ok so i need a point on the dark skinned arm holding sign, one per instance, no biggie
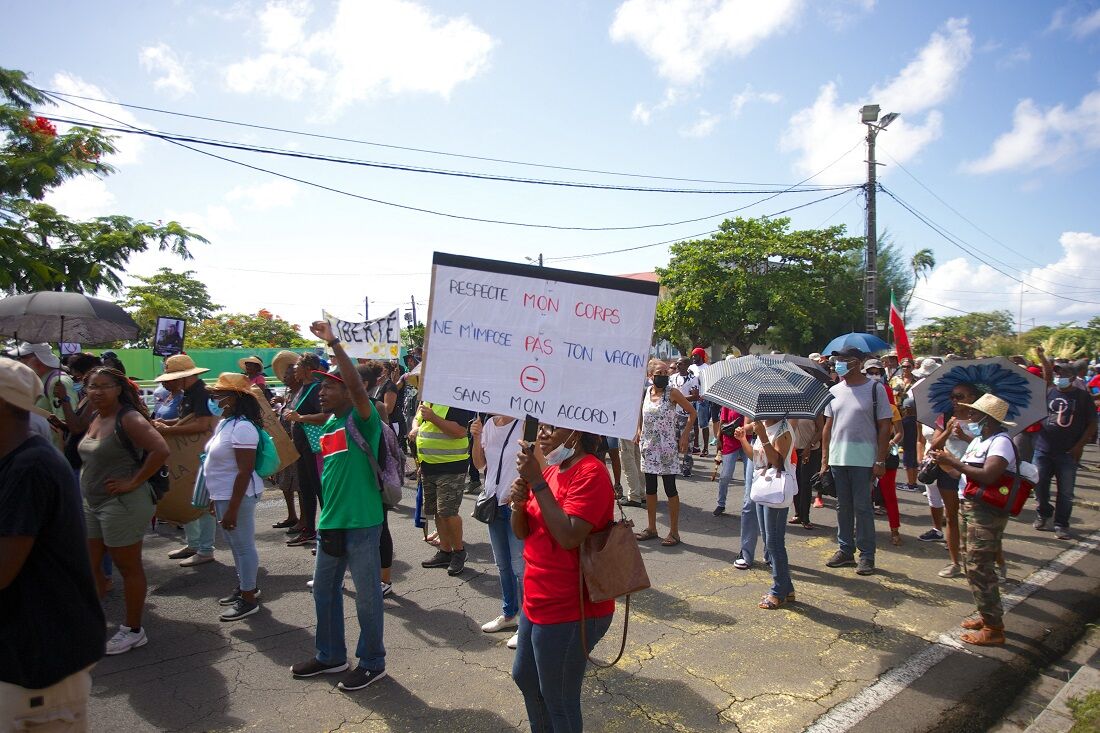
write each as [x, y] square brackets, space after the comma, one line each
[360, 400]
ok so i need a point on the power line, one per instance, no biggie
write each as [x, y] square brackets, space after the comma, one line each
[66, 96]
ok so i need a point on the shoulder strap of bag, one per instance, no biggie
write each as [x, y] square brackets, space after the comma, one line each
[503, 448]
[584, 635]
[352, 429]
[305, 396]
[123, 438]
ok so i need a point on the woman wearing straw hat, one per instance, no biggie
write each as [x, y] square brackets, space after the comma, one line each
[253, 368]
[986, 459]
[234, 486]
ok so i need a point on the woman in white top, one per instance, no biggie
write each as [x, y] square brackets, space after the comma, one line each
[494, 448]
[773, 448]
[234, 486]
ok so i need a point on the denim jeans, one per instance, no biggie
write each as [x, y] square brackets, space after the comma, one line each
[773, 525]
[1062, 468]
[750, 525]
[242, 540]
[508, 553]
[200, 533]
[328, 600]
[549, 668]
[853, 507]
[725, 473]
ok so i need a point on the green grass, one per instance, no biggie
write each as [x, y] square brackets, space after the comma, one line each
[1086, 713]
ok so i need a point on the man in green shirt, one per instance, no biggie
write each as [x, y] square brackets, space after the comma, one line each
[350, 524]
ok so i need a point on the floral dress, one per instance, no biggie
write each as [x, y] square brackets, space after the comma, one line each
[660, 441]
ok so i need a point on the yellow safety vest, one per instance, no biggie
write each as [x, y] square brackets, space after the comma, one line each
[435, 446]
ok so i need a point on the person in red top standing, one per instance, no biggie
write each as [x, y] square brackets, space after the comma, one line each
[553, 510]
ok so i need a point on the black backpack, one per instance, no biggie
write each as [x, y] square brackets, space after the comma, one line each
[159, 481]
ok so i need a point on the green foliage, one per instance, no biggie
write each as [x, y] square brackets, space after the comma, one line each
[412, 336]
[753, 276]
[241, 330]
[1000, 346]
[921, 264]
[41, 249]
[167, 293]
[1086, 712]
[962, 335]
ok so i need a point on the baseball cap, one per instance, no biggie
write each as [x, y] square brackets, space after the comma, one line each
[333, 374]
[20, 386]
[850, 351]
[1065, 368]
[42, 351]
[815, 356]
[699, 351]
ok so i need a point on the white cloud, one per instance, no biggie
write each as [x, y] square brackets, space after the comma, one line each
[1079, 25]
[82, 198]
[747, 95]
[129, 148]
[822, 132]
[1043, 138]
[213, 222]
[1015, 57]
[369, 51]
[1087, 25]
[274, 194]
[684, 37]
[703, 126]
[963, 284]
[644, 112]
[173, 78]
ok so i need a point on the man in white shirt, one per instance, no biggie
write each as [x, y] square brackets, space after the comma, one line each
[687, 382]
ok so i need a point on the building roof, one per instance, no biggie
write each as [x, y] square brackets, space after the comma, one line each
[647, 276]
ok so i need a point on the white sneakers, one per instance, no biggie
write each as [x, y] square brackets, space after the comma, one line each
[513, 641]
[500, 623]
[125, 640]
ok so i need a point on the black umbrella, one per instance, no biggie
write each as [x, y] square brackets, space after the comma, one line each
[758, 389]
[49, 317]
[809, 366]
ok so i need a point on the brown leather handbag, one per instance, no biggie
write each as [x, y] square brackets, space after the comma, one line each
[611, 566]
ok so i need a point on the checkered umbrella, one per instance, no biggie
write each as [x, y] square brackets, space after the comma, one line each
[758, 389]
[812, 368]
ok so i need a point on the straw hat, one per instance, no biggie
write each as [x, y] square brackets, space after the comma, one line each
[282, 361]
[251, 360]
[178, 367]
[992, 406]
[231, 382]
[20, 386]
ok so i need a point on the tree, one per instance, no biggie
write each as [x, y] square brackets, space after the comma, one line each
[41, 249]
[922, 263]
[167, 293]
[750, 277]
[263, 330]
[960, 335]
[412, 336]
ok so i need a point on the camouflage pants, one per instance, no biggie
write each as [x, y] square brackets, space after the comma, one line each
[985, 527]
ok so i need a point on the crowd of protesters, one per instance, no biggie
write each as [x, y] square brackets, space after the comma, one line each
[83, 437]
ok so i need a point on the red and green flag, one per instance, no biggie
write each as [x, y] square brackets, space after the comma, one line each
[897, 325]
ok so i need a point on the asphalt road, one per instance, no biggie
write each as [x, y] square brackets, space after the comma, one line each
[854, 653]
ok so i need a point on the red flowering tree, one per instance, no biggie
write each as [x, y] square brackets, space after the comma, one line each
[263, 330]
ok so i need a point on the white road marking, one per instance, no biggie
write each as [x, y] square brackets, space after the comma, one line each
[845, 715]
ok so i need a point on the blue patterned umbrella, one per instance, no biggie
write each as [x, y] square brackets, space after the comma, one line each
[1024, 392]
[865, 342]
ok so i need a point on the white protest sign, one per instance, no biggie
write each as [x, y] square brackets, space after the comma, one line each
[377, 339]
[568, 347]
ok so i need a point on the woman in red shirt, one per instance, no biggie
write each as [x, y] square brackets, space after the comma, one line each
[554, 509]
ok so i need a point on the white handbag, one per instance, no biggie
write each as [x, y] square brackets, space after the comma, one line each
[774, 488]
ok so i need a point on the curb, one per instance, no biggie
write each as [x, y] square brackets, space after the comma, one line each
[1057, 718]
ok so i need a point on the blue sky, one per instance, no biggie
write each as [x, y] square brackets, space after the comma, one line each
[999, 104]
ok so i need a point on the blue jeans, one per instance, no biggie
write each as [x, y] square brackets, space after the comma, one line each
[328, 600]
[508, 553]
[549, 668]
[242, 540]
[725, 473]
[1062, 468]
[750, 525]
[200, 534]
[773, 525]
[853, 506]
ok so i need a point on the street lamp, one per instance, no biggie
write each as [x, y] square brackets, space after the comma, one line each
[869, 115]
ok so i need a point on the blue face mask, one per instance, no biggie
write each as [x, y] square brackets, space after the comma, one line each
[561, 454]
[842, 368]
[1061, 382]
[215, 409]
[974, 428]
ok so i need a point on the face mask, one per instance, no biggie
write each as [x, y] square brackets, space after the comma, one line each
[660, 381]
[561, 454]
[877, 377]
[1061, 382]
[841, 368]
[215, 409]
[974, 428]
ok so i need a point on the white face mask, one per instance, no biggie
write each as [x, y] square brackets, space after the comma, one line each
[561, 454]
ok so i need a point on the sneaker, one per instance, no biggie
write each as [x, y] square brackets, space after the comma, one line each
[513, 641]
[125, 640]
[951, 571]
[840, 559]
[387, 588]
[866, 566]
[500, 623]
[1040, 524]
[630, 502]
[312, 668]
[197, 559]
[1002, 573]
[932, 535]
[1062, 533]
[359, 678]
[231, 599]
[457, 563]
[719, 511]
[303, 538]
[473, 488]
[440, 559]
[742, 564]
[880, 512]
[239, 610]
[818, 503]
[182, 553]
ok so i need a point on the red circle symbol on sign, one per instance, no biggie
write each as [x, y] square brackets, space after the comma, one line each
[532, 378]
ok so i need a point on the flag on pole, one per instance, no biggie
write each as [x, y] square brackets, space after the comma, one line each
[897, 325]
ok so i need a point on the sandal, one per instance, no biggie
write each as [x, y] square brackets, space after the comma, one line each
[770, 603]
[808, 525]
[670, 541]
[973, 624]
[986, 636]
[646, 534]
[895, 539]
[794, 520]
[285, 523]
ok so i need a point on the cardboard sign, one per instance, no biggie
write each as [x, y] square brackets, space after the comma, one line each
[183, 467]
[377, 339]
[570, 348]
[284, 446]
[168, 339]
[67, 348]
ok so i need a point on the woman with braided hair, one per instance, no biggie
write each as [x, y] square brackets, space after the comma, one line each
[120, 452]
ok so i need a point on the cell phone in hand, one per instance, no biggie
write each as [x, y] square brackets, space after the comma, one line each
[530, 431]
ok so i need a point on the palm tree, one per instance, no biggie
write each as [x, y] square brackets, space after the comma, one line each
[922, 263]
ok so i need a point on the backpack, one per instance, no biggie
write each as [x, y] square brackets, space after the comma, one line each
[388, 466]
[160, 481]
[267, 456]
